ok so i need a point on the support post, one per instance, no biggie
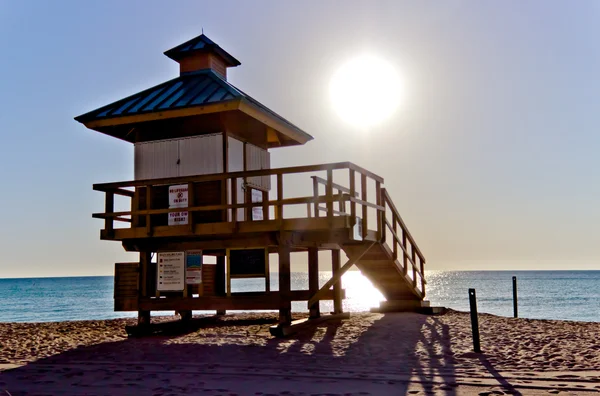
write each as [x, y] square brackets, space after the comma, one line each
[220, 280]
[313, 280]
[515, 300]
[285, 304]
[143, 316]
[337, 286]
[474, 320]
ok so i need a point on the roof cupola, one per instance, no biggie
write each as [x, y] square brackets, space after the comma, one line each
[201, 53]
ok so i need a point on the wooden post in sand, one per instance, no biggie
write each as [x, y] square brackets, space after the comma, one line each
[515, 304]
[474, 320]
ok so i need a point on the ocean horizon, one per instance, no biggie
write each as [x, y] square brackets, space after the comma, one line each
[557, 294]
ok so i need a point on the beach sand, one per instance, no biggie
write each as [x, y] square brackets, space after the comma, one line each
[368, 354]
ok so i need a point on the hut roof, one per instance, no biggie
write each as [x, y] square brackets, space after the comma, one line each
[195, 90]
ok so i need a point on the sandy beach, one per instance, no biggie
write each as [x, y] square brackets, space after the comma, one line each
[368, 354]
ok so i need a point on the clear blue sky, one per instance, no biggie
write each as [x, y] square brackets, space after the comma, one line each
[493, 159]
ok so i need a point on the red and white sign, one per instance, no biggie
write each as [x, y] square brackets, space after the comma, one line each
[178, 198]
[178, 218]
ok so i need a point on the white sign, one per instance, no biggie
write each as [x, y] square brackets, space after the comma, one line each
[178, 218]
[193, 267]
[257, 211]
[171, 271]
[178, 198]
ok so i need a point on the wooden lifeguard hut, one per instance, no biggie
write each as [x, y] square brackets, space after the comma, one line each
[203, 186]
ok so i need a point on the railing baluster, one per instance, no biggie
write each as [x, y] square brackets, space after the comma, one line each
[363, 189]
[404, 252]
[380, 213]
[329, 194]
[191, 204]
[422, 275]
[109, 208]
[148, 207]
[412, 256]
[316, 195]
[352, 196]
[234, 199]
[396, 240]
[279, 214]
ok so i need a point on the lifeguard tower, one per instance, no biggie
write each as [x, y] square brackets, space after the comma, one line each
[203, 186]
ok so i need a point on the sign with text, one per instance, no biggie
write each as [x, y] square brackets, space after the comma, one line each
[178, 218]
[178, 198]
[171, 271]
[193, 267]
[248, 263]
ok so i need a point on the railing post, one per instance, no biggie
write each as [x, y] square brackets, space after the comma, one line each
[329, 194]
[315, 195]
[363, 189]
[191, 203]
[148, 207]
[352, 196]
[414, 264]
[474, 320]
[234, 199]
[404, 252]
[109, 208]
[279, 214]
[395, 229]
[380, 213]
[422, 274]
[515, 303]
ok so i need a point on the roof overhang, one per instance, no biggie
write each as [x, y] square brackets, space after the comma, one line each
[274, 124]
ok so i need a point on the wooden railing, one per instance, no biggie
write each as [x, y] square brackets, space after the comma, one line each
[229, 200]
[351, 188]
[402, 240]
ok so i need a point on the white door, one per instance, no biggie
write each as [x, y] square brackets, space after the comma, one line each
[201, 155]
[154, 160]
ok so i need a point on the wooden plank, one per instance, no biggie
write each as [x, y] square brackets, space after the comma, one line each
[246, 301]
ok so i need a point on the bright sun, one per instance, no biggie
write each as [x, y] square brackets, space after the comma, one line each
[366, 91]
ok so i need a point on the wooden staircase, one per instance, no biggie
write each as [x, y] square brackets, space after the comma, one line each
[389, 258]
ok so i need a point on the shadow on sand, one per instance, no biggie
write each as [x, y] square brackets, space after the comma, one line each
[375, 354]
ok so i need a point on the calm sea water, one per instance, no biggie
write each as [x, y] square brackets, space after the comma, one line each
[567, 295]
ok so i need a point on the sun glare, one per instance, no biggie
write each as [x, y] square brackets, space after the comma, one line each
[366, 91]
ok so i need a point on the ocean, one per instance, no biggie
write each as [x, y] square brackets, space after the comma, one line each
[564, 295]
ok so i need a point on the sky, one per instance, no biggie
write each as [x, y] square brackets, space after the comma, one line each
[492, 158]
